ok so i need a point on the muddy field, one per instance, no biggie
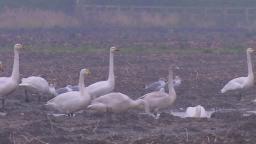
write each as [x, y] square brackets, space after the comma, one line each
[203, 76]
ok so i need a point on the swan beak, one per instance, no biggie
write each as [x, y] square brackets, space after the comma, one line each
[87, 72]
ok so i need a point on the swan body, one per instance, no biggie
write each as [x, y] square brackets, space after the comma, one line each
[68, 88]
[157, 100]
[196, 112]
[37, 84]
[9, 84]
[242, 82]
[104, 87]
[115, 103]
[73, 101]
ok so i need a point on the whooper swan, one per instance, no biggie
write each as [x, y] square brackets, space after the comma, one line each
[9, 84]
[196, 112]
[73, 101]
[242, 82]
[157, 100]
[37, 84]
[104, 87]
[115, 103]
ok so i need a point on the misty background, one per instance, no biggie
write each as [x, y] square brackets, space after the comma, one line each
[145, 23]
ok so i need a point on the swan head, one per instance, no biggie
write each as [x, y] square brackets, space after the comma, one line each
[113, 49]
[1, 66]
[85, 71]
[18, 46]
[250, 50]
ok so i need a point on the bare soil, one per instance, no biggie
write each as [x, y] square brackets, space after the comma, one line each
[203, 76]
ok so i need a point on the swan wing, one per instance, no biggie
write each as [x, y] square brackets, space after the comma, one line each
[237, 83]
[4, 80]
[190, 112]
[65, 102]
[155, 86]
[99, 88]
[61, 90]
[115, 102]
[35, 82]
[75, 88]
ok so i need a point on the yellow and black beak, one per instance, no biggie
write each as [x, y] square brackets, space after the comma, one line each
[87, 72]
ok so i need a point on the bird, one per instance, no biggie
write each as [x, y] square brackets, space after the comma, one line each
[156, 86]
[104, 87]
[242, 82]
[157, 100]
[67, 88]
[73, 101]
[115, 102]
[161, 84]
[9, 84]
[177, 81]
[196, 112]
[37, 84]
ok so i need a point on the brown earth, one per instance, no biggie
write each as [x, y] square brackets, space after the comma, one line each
[203, 75]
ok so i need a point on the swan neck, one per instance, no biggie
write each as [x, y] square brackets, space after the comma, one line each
[249, 62]
[83, 91]
[81, 84]
[15, 70]
[137, 103]
[170, 85]
[111, 67]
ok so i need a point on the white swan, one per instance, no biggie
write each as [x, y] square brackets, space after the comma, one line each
[155, 101]
[196, 112]
[115, 103]
[73, 101]
[37, 84]
[104, 87]
[242, 82]
[9, 84]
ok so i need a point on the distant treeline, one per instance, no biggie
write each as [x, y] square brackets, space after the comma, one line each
[175, 3]
[69, 5]
[56, 5]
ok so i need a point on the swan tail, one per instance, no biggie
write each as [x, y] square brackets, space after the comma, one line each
[223, 90]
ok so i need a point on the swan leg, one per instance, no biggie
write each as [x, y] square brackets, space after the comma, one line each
[157, 113]
[240, 96]
[26, 95]
[3, 103]
[71, 115]
[147, 109]
[108, 115]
